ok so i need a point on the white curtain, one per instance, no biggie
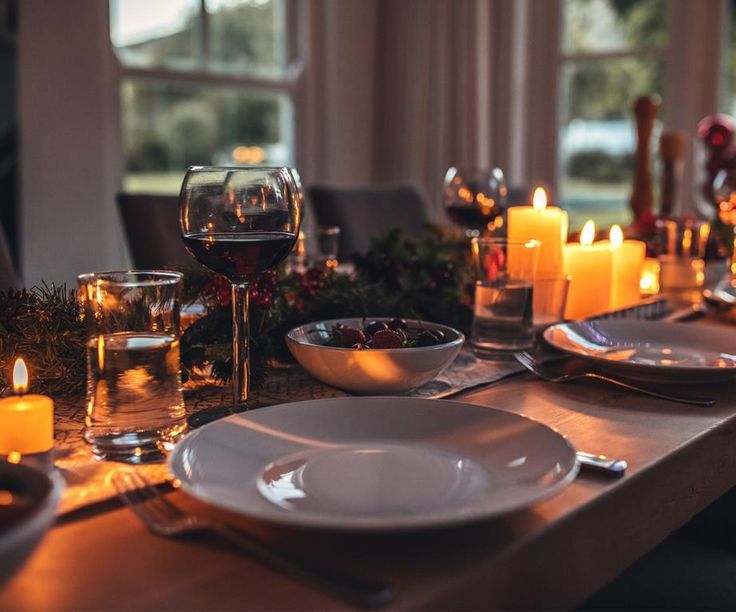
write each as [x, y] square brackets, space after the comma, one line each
[397, 91]
[432, 75]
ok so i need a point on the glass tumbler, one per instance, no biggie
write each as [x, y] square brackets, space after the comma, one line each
[550, 299]
[504, 277]
[135, 406]
[328, 241]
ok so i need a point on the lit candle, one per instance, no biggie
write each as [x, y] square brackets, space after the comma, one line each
[547, 224]
[590, 268]
[628, 260]
[26, 421]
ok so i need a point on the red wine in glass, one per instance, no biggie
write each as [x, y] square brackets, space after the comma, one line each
[474, 198]
[472, 217]
[239, 222]
[240, 257]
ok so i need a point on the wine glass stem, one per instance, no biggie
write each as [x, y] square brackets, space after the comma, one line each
[241, 364]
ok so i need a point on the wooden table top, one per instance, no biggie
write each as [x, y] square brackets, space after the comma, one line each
[550, 556]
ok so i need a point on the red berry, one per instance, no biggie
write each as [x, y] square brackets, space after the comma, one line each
[375, 326]
[387, 338]
[349, 336]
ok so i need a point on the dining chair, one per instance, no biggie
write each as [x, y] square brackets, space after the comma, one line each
[368, 211]
[151, 224]
[8, 276]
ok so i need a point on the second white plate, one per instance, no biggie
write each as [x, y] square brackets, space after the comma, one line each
[653, 351]
[369, 463]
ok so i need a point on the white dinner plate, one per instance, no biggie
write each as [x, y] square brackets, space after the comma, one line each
[654, 351]
[373, 463]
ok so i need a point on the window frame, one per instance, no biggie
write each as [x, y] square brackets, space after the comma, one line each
[291, 83]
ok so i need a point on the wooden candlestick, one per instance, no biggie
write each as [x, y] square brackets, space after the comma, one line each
[642, 197]
[671, 148]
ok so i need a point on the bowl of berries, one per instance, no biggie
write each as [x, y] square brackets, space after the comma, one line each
[374, 355]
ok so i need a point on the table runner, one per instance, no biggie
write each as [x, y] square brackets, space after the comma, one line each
[88, 479]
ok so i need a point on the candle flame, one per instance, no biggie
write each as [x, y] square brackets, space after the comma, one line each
[20, 376]
[617, 236]
[588, 234]
[539, 199]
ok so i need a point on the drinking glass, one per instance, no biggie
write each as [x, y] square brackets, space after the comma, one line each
[504, 277]
[328, 241]
[550, 299]
[135, 406]
[239, 222]
[475, 198]
[681, 246]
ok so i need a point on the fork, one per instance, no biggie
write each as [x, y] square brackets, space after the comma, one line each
[567, 369]
[165, 519]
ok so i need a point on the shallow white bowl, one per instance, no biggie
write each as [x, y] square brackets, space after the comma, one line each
[371, 371]
[20, 535]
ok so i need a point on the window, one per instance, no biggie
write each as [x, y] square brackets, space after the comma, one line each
[611, 52]
[728, 63]
[203, 82]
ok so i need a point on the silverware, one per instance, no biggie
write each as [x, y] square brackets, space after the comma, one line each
[568, 369]
[602, 464]
[165, 519]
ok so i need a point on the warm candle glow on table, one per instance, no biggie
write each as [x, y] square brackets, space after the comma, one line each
[26, 421]
[649, 282]
[547, 224]
[590, 267]
[628, 260]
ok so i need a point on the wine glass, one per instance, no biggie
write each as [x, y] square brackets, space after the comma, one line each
[475, 198]
[239, 222]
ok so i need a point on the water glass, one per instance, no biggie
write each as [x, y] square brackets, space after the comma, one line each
[550, 299]
[681, 280]
[328, 242]
[135, 407]
[504, 274]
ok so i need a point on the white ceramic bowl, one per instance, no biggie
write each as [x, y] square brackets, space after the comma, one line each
[371, 371]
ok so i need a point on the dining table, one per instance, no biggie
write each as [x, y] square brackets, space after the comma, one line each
[551, 555]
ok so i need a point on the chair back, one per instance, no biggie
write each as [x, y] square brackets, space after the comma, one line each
[8, 277]
[151, 224]
[364, 212]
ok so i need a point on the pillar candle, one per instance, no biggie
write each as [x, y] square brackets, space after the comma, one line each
[547, 224]
[628, 260]
[590, 267]
[26, 421]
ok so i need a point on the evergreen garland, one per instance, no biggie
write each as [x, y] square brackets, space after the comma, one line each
[429, 280]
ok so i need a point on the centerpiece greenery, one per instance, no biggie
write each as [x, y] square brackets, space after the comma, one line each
[429, 279]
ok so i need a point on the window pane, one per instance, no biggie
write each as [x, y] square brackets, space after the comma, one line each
[247, 36]
[728, 67]
[152, 34]
[613, 25]
[597, 136]
[167, 128]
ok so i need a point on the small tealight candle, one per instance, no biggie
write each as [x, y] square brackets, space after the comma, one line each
[26, 421]
[590, 268]
[547, 224]
[628, 260]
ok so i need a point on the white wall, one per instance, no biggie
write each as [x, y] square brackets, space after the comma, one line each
[70, 167]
